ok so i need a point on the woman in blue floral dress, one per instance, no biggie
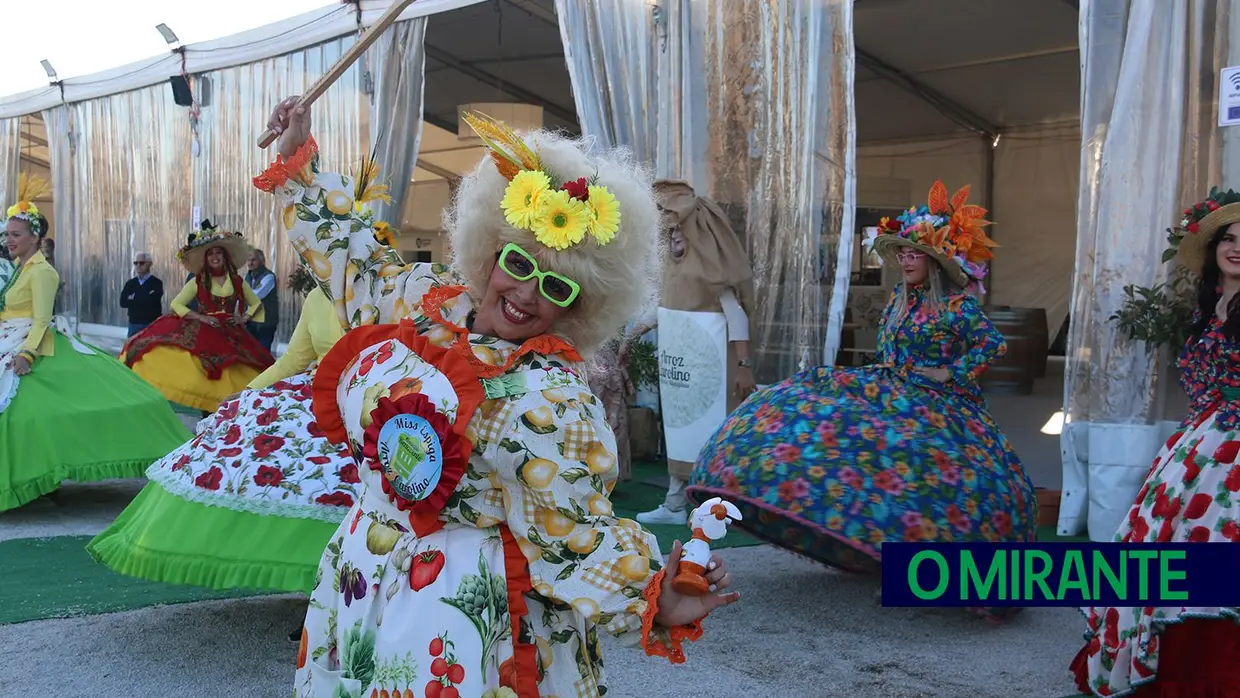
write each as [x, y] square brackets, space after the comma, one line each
[833, 462]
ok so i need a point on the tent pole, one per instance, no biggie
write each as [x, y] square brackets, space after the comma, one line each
[990, 143]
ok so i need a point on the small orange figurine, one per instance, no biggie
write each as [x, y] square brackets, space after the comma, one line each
[710, 522]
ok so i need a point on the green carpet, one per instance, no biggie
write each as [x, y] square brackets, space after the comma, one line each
[56, 578]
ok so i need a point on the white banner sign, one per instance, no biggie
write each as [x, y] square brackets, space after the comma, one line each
[1229, 96]
[693, 379]
[197, 219]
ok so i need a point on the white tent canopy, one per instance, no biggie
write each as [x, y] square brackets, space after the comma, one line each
[274, 39]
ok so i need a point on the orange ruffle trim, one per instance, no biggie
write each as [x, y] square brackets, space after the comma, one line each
[544, 345]
[283, 170]
[469, 391]
[672, 649]
[524, 654]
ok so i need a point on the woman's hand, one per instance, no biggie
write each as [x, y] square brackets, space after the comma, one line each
[21, 365]
[207, 319]
[745, 383]
[676, 609]
[940, 375]
[292, 124]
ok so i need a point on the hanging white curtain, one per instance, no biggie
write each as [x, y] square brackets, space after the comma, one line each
[131, 180]
[609, 48]
[1147, 151]
[57, 123]
[10, 159]
[229, 125]
[398, 67]
[780, 151]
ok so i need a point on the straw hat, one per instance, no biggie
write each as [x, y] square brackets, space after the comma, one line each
[949, 231]
[1199, 223]
[193, 255]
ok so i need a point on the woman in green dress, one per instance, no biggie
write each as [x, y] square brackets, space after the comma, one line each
[68, 411]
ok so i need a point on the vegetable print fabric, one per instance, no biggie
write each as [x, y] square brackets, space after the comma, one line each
[1192, 494]
[833, 462]
[396, 611]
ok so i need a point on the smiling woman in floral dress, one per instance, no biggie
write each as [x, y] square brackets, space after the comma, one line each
[833, 462]
[482, 558]
[1192, 492]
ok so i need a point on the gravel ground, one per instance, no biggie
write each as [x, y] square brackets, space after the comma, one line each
[799, 630]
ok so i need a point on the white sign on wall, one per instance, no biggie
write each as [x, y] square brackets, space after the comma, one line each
[1229, 96]
[197, 218]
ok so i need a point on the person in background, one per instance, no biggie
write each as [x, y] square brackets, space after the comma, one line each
[67, 410]
[833, 463]
[707, 285]
[263, 281]
[143, 295]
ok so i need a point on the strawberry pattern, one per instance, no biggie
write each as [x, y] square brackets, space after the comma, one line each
[1192, 494]
[263, 453]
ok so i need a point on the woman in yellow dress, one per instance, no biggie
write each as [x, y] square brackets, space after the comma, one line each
[199, 357]
[68, 411]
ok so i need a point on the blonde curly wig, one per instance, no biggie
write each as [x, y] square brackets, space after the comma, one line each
[619, 280]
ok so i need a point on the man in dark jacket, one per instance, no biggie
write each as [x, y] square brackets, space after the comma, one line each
[143, 295]
[263, 281]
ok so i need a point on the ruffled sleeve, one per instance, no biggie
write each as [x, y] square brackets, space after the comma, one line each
[983, 344]
[368, 280]
[556, 462]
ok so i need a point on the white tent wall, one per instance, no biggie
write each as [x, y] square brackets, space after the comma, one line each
[1036, 169]
[1148, 147]
[134, 166]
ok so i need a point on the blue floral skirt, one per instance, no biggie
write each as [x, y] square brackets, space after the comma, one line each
[833, 462]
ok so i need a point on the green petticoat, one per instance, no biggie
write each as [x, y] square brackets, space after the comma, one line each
[82, 418]
[163, 538]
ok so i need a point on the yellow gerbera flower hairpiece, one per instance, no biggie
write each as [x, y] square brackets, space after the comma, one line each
[559, 213]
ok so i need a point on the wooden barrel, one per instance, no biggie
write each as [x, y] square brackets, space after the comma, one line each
[1012, 374]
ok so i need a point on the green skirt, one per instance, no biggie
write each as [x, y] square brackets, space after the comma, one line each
[83, 418]
[164, 538]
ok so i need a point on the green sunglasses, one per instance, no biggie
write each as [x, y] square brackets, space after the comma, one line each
[522, 266]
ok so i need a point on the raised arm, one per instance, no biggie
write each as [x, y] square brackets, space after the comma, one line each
[983, 343]
[336, 242]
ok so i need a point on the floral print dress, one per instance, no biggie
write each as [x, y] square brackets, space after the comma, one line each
[1192, 494]
[496, 578]
[833, 462]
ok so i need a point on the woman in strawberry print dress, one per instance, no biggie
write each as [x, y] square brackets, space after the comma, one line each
[833, 462]
[482, 558]
[1192, 492]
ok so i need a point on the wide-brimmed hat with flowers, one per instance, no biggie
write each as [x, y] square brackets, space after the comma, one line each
[1199, 223]
[948, 230]
[194, 254]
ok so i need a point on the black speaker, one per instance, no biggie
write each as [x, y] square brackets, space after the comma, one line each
[180, 91]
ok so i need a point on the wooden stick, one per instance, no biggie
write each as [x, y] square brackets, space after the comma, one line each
[349, 58]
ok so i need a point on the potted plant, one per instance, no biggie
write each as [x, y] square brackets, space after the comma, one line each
[1159, 315]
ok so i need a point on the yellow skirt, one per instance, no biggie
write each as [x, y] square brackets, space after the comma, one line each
[179, 376]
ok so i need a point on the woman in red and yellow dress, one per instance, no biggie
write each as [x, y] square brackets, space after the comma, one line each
[199, 357]
[482, 558]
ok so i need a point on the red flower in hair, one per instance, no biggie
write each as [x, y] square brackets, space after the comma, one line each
[578, 189]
